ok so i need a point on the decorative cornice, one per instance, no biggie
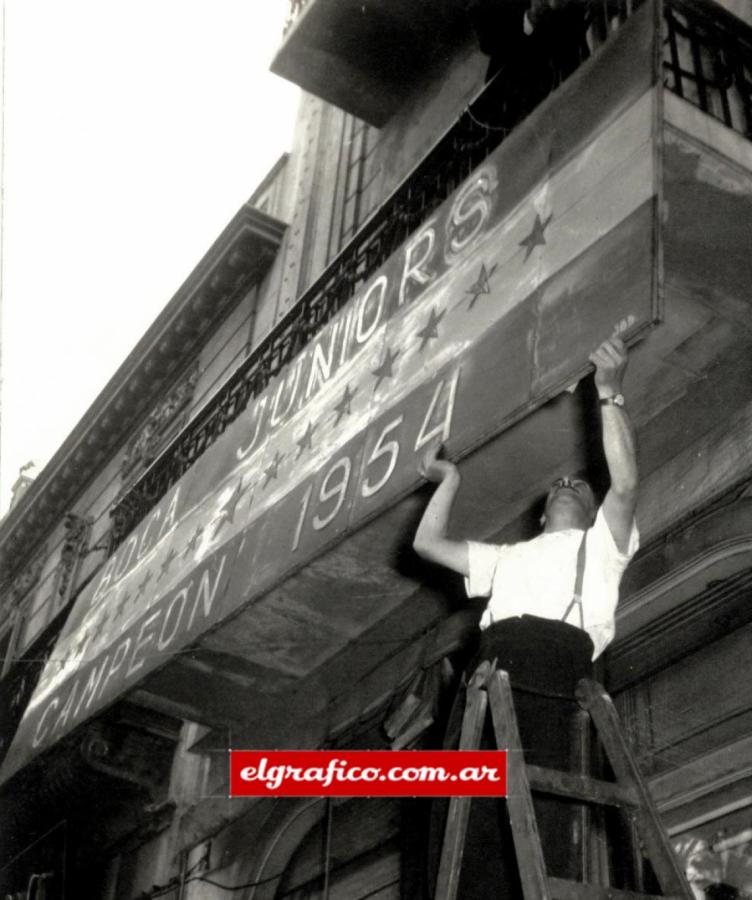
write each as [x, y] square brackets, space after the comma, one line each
[682, 592]
[76, 535]
[130, 751]
[704, 776]
[163, 421]
[269, 178]
[236, 261]
[25, 581]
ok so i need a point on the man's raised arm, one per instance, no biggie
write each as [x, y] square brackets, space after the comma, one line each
[430, 540]
[610, 361]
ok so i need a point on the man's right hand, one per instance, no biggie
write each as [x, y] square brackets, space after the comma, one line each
[431, 541]
[434, 469]
[610, 361]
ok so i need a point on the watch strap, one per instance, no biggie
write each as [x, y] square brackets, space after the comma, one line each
[613, 400]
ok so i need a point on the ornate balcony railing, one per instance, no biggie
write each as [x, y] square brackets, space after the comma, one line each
[693, 37]
[296, 7]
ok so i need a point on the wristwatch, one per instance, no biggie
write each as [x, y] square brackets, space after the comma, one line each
[613, 400]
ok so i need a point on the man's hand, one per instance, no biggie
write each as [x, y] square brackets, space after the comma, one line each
[431, 541]
[610, 361]
[434, 469]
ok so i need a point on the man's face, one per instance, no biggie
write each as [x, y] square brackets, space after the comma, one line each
[568, 492]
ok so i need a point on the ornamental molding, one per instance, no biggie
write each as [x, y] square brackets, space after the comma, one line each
[77, 530]
[162, 423]
[23, 583]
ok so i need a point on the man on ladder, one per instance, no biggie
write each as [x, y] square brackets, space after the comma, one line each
[550, 613]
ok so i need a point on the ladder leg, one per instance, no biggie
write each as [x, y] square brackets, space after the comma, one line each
[596, 701]
[581, 839]
[530, 862]
[459, 807]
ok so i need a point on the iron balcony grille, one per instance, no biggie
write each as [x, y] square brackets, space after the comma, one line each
[294, 11]
[707, 60]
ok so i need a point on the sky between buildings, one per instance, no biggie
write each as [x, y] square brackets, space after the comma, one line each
[133, 132]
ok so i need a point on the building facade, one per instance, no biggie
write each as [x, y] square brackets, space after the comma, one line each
[220, 556]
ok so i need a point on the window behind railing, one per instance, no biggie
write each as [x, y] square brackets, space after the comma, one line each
[707, 59]
[359, 141]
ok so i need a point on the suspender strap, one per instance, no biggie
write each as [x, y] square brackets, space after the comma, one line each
[579, 578]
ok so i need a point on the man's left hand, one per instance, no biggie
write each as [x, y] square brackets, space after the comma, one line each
[610, 360]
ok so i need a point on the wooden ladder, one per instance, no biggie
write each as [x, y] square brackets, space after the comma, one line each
[628, 792]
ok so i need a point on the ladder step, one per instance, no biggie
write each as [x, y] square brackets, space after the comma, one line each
[670, 875]
[581, 787]
[629, 792]
[560, 889]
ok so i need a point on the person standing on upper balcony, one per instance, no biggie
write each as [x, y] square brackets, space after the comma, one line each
[550, 612]
[533, 46]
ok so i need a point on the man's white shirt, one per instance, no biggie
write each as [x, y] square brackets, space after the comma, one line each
[537, 578]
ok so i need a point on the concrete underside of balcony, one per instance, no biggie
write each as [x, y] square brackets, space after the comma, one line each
[364, 57]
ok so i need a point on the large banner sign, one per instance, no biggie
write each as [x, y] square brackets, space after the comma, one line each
[490, 308]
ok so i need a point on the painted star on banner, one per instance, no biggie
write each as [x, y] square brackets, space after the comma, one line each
[386, 369]
[482, 284]
[144, 584]
[194, 541]
[536, 238]
[343, 407]
[98, 629]
[431, 329]
[306, 441]
[227, 511]
[272, 470]
[166, 563]
[125, 599]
